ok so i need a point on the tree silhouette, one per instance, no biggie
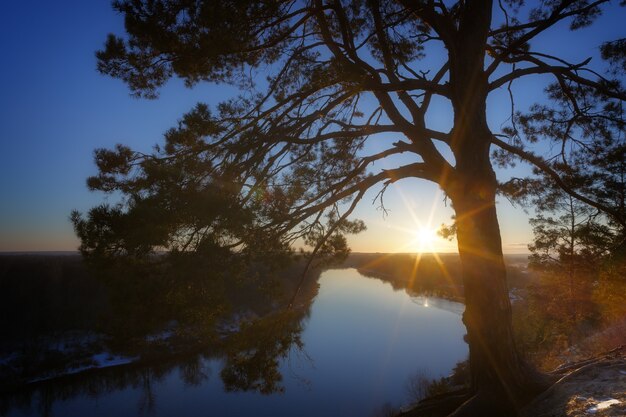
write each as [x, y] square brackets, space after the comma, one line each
[329, 89]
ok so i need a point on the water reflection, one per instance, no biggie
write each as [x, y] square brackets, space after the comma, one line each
[440, 303]
[350, 352]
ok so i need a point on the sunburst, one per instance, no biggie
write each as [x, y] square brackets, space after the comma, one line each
[425, 239]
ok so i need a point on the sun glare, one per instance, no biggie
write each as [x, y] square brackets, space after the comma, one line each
[425, 239]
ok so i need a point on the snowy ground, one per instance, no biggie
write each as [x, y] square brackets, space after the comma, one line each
[597, 390]
[97, 361]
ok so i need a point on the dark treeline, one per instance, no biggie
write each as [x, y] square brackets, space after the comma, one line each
[48, 294]
[42, 294]
[57, 311]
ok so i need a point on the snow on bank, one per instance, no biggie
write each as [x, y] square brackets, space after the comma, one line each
[603, 405]
[105, 360]
[163, 336]
[97, 361]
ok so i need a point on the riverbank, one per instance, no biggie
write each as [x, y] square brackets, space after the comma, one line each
[592, 387]
[433, 274]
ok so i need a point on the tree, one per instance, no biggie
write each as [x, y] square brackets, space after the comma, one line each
[577, 247]
[568, 248]
[290, 157]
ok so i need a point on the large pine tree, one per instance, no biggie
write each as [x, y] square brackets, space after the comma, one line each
[319, 80]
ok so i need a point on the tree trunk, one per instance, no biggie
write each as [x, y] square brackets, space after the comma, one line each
[501, 379]
[499, 375]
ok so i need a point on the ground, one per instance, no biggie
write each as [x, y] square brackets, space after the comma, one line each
[596, 387]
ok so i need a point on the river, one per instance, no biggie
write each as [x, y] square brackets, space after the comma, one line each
[362, 343]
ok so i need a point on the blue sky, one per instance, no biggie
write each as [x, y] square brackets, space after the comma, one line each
[55, 109]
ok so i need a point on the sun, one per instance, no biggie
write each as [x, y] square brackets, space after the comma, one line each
[425, 239]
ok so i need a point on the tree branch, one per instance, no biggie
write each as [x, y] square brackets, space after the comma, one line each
[544, 167]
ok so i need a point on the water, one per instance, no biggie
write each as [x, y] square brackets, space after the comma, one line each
[362, 343]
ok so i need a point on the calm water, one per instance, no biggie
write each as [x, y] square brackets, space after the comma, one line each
[362, 343]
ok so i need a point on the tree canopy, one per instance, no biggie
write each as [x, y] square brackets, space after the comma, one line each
[337, 76]
[332, 93]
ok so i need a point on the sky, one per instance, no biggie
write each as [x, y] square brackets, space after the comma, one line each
[56, 109]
